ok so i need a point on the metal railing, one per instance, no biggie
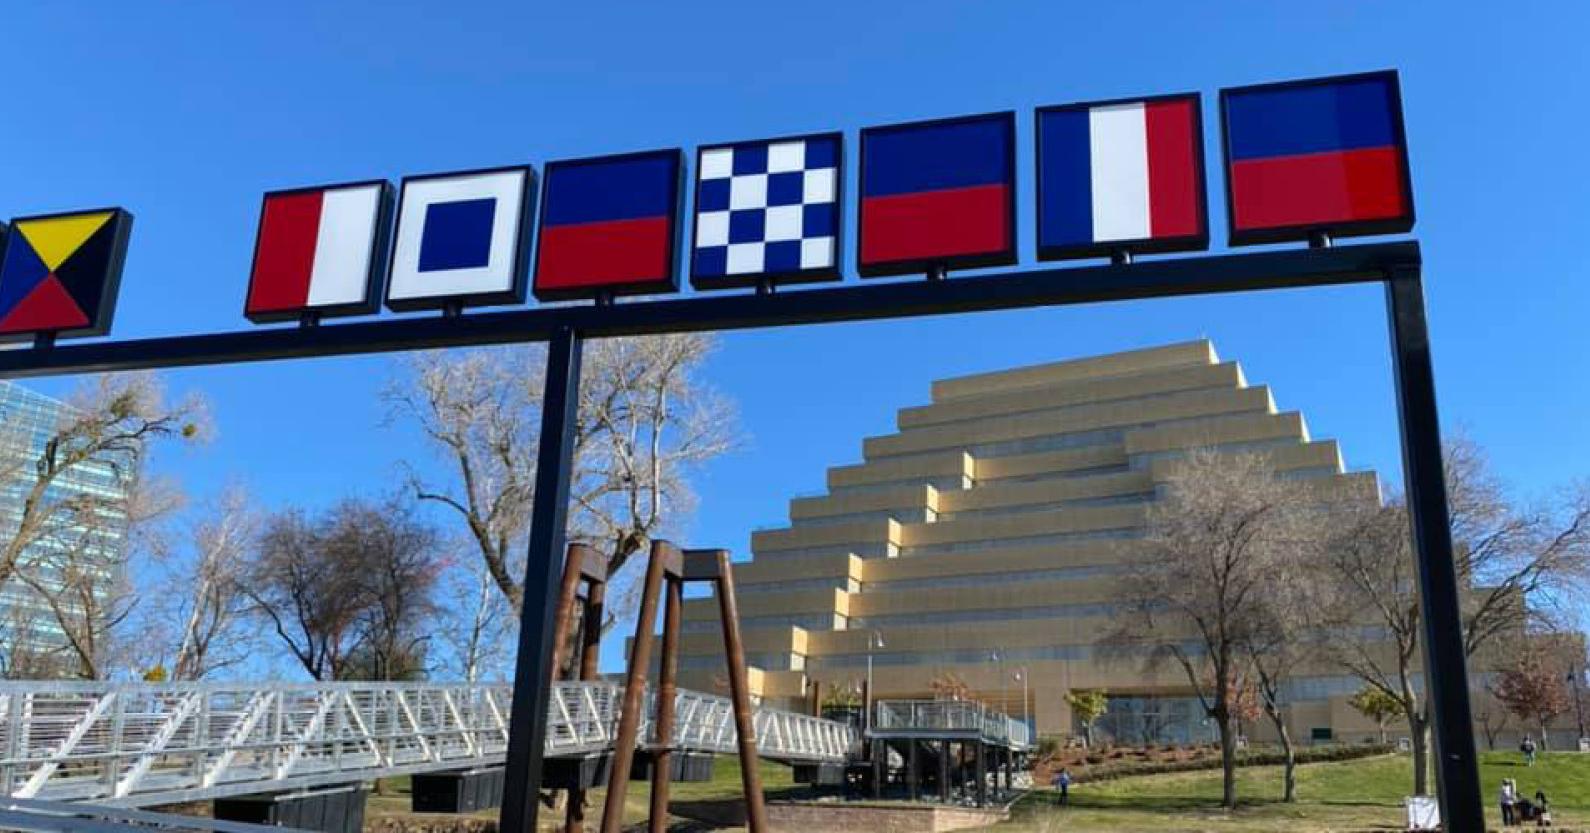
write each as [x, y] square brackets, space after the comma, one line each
[950, 717]
[145, 744]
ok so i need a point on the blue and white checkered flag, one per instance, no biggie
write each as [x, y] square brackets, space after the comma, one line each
[767, 210]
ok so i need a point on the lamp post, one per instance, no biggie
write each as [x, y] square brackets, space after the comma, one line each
[1000, 660]
[1021, 674]
[874, 640]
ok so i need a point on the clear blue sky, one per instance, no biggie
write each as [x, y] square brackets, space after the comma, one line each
[186, 113]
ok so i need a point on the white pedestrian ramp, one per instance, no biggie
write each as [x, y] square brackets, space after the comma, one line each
[132, 745]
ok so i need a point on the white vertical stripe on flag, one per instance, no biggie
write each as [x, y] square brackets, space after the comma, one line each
[1118, 142]
[342, 247]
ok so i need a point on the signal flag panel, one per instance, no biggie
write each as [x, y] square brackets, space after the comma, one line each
[938, 194]
[1325, 155]
[60, 272]
[462, 239]
[1121, 177]
[320, 250]
[768, 211]
[609, 226]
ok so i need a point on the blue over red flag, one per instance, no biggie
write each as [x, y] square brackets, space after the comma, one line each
[608, 225]
[936, 194]
[1325, 155]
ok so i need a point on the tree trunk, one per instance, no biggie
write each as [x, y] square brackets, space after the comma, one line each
[1419, 736]
[1289, 774]
[1543, 746]
[1228, 764]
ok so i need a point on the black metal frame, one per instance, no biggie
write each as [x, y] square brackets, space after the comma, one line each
[1395, 264]
[515, 293]
[108, 291]
[1279, 234]
[814, 275]
[1198, 241]
[610, 290]
[939, 265]
[380, 250]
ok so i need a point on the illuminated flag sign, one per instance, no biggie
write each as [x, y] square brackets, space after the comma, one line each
[938, 194]
[767, 211]
[461, 239]
[319, 250]
[1121, 176]
[1325, 155]
[609, 226]
[60, 272]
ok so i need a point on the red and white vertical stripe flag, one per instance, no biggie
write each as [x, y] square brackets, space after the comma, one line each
[319, 251]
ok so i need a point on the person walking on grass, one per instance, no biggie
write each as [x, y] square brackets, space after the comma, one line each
[1509, 799]
[1528, 748]
[1062, 782]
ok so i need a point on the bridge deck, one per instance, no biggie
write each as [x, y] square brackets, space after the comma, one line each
[147, 744]
[950, 720]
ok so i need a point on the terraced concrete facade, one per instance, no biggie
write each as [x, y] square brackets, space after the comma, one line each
[998, 517]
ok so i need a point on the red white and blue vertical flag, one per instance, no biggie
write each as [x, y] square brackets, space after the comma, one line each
[938, 194]
[1121, 176]
[320, 250]
[1325, 155]
[609, 226]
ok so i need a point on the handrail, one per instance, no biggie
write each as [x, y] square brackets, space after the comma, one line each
[152, 743]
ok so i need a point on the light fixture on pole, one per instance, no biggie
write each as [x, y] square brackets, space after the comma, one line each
[999, 658]
[1021, 674]
[874, 640]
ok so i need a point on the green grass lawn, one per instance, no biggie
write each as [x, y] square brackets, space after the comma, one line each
[1350, 795]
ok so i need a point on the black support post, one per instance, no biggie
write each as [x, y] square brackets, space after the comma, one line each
[982, 772]
[880, 767]
[944, 771]
[1445, 665]
[532, 677]
[912, 774]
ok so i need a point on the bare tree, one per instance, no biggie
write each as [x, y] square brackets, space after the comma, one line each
[1281, 640]
[481, 623]
[1521, 566]
[398, 564]
[644, 422]
[110, 424]
[348, 592]
[311, 603]
[1488, 712]
[1370, 566]
[204, 589]
[1518, 568]
[84, 504]
[1218, 538]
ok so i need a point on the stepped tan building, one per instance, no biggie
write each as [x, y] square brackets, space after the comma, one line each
[983, 539]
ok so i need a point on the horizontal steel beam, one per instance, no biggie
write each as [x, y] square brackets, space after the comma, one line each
[872, 301]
